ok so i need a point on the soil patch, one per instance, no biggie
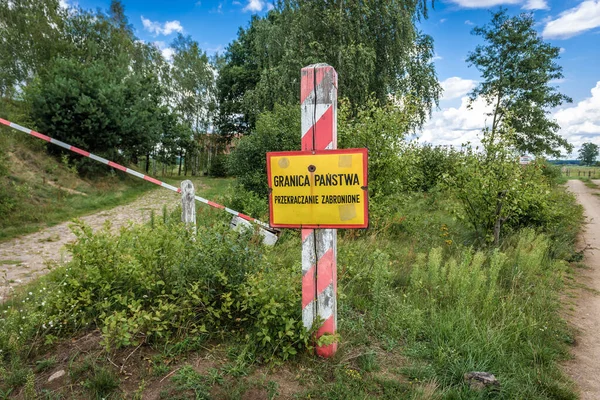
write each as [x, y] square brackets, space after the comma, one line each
[584, 368]
[24, 258]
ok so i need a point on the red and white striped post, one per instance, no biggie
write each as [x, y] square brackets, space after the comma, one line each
[318, 97]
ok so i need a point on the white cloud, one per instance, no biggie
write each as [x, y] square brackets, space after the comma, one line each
[257, 6]
[172, 26]
[581, 123]
[536, 5]
[483, 3]
[167, 52]
[453, 126]
[574, 21]
[456, 87]
[443, 20]
[468, 22]
[63, 4]
[527, 4]
[456, 126]
[158, 29]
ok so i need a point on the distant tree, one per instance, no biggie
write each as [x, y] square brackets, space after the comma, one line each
[105, 110]
[517, 68]
[588, 153]
[193, 94]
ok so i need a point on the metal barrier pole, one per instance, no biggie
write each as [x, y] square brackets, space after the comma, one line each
[267, 231]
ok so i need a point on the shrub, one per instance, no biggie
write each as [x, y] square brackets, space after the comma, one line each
[154, 283]
[382, 130]
[495, 191]
[433, 163]
[248, 203]
[218, 166]
[277, 130]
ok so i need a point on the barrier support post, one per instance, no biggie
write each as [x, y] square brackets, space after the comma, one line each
[318, 98]
[188, 204]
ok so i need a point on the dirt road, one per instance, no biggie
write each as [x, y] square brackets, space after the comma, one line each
[24, 258]
[585, 366]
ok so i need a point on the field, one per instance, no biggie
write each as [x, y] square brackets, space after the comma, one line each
[576, 171]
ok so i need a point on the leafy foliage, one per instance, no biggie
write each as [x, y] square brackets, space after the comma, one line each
[154, 283]
[278, 130]
[382, 130]
[375, 47]
[588, 153]
[517, 68]
[495, 190]
[26, 50]
[97, 108]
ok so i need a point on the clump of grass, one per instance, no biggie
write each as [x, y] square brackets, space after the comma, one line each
[101, 383]
[188, 379]
[45, 364]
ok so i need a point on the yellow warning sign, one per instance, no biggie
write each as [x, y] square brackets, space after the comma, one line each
[318, 189]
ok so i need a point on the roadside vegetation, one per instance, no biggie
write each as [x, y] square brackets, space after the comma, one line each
[461, 269]
[426, 294]
[38, 190]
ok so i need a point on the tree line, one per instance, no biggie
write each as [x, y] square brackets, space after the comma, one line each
[85, 78]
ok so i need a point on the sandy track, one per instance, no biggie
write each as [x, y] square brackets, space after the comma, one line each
[24, 258]
[585, 366]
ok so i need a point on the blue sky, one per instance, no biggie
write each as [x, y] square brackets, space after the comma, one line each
[572, 25]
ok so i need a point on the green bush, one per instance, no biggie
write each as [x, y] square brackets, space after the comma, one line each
[248, 203]
[277, 130]
[496, 193]
[383, 131]
[154, 283]
[218, 166]
[432, 164]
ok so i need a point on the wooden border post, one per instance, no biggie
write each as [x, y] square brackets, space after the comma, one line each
[188, 204]
[318, 98]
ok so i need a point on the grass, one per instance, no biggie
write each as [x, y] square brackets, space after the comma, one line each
[10, 262]
[40, 191]
[588, 182]
[50, 207]
[418, 307]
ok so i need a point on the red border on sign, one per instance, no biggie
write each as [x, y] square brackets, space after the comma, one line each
[365, 154]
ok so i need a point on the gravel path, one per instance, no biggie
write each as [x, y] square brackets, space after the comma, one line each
[585, 366]
[24, 258]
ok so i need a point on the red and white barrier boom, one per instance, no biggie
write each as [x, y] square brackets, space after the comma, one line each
[267, 232]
